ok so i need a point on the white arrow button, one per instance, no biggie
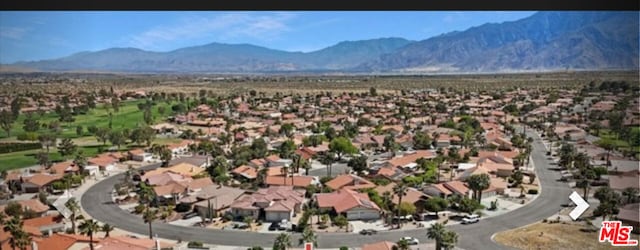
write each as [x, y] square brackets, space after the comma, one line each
[582, 205]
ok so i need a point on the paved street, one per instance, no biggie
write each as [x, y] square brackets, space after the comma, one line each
[97, 202]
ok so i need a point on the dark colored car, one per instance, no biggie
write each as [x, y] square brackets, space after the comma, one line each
[274, 226]
[189, 215]
[368, 231]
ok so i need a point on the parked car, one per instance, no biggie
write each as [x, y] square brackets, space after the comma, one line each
[274, 226]
[368, 231]
[470, 219]
[410, 240]
[189, 215]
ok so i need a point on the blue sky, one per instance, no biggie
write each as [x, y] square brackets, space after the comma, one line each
[26, 36]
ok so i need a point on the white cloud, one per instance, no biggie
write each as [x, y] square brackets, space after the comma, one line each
[14, 33]
[224, 27]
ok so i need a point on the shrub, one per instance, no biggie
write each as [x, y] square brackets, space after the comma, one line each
[15, 147]
[28, 136]
[532, 191]
[344, 248]
[139, 209]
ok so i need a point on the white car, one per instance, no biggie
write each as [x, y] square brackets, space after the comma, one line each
[411, 240]
[470, 219]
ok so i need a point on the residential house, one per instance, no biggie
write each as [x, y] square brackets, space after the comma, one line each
[275, 203]
[349, 181]
[382, 245]
[219, 198]
[298, 181]
[34, 183]
[47, 224]
[408, 160]
[33, 204]
[140, 155]
[355, 206]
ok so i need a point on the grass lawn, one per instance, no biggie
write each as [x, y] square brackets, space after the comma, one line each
[128, 117]
[89, 146]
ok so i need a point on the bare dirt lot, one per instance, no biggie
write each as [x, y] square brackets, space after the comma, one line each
[553, 236]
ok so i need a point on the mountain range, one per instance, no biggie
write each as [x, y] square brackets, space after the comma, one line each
[553, 40]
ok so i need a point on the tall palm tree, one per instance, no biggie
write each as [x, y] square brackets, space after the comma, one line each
[449, 240]
[309, 236]
[149, 216]
[106, 228]
[284, 170]
[282, 242]
[436, 232]
[89, 227]
[399, 190]
[478, 183]
[328, 159]
[262, 175]
[74, 207]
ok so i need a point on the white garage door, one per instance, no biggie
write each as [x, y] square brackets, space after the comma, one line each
[362, 215]
[277, 216]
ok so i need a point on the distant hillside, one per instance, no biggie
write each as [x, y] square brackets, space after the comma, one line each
[218, 57]
[546, 40]
[543, 41]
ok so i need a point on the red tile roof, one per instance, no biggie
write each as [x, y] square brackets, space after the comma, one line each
[344, 200]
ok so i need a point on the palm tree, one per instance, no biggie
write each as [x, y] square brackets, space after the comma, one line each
[282, 242]
[328, 159]
[631, 194]
[262, 175]
[106, 228]
[478, 183]
[402, 245]
[284, 170]
[149, 216]
[74, 208]
[449, 240]
[89, 227]
[14, 227]
[436, 232]
[400, 190]
[309, 236]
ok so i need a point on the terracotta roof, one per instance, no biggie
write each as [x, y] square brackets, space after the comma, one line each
[33, 204]
[457, 187]
[129, 243]
[43, 179]
[169, 189]
[199, 183]
[382, 245]
[186, 169]
[298, 181]
[62, 167]
[344, 200]
[409, 158]
[349, 181]
[43, 221]
[103, 160]
[245, 171]
[56, 242]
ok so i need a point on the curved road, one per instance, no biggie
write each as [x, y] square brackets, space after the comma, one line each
[98, 203]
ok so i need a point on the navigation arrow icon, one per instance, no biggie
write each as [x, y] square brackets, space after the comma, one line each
[582, 205]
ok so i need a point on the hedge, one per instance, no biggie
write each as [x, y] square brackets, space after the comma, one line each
[15, 147]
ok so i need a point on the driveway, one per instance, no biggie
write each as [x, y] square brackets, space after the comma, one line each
[97, 202]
